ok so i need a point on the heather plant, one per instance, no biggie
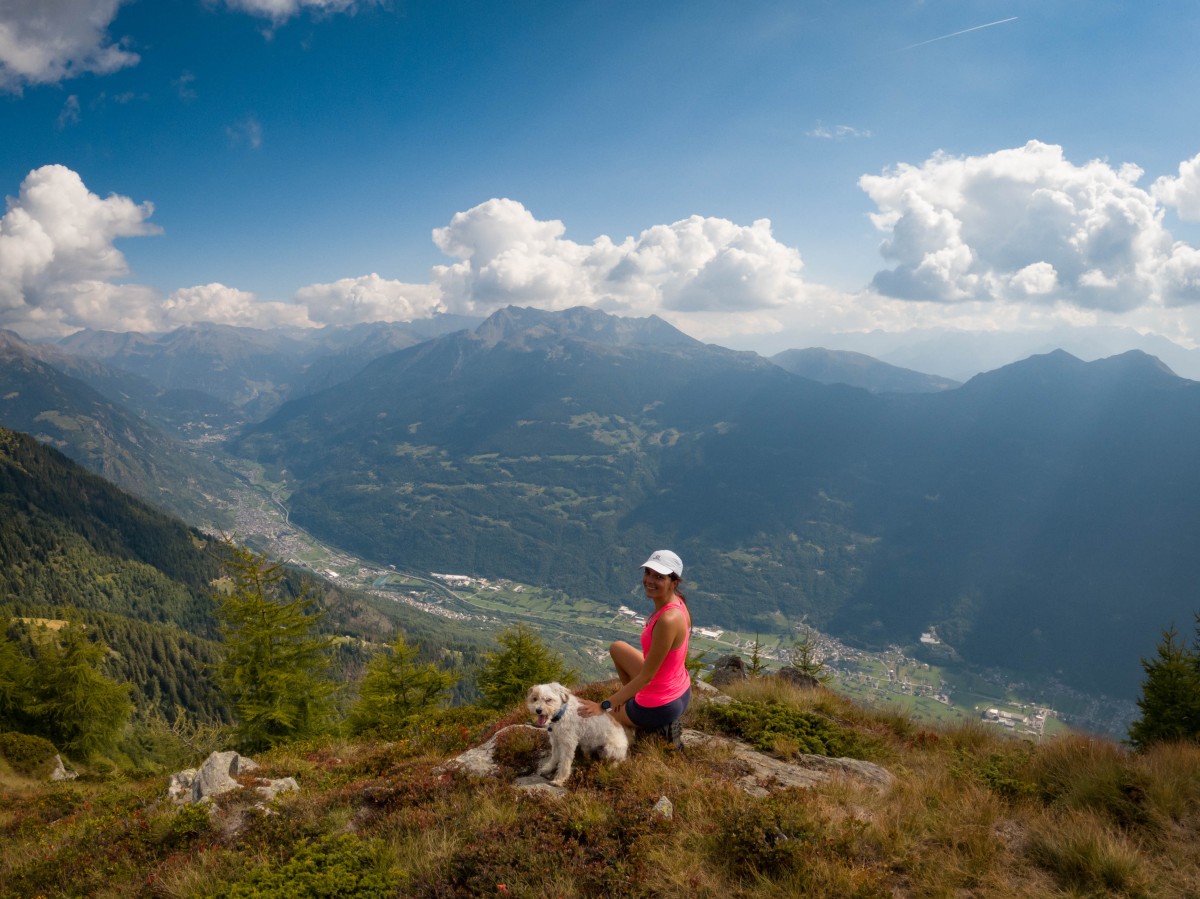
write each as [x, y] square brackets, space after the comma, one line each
[341, 865]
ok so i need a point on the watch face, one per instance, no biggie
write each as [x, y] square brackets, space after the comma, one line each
[606, 705]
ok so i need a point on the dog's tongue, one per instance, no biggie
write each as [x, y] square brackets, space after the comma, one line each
[542, 719]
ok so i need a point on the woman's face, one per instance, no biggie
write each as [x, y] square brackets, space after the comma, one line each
[657, 586]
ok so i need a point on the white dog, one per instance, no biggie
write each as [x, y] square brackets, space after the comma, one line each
[556, 708]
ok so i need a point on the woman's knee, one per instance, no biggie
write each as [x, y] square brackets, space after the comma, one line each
[625, 655]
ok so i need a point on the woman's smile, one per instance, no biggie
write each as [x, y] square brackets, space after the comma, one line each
[655, 584]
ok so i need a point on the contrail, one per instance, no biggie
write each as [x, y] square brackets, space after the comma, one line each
[957, 33]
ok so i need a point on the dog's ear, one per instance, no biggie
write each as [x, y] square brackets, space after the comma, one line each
[529, 695]
[563, 693]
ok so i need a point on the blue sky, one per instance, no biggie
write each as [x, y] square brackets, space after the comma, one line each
[762, 174]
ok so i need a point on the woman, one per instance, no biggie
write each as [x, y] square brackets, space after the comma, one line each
[655, 685]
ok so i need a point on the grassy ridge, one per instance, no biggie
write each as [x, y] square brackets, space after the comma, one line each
[971, 813]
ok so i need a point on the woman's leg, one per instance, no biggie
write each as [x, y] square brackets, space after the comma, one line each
[627, 660]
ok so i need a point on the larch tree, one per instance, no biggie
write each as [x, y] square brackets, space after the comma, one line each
[396, 689]
[522, 661]
[1170, 700]
[275, 670]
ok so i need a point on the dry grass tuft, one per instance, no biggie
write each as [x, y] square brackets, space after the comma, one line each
[1084, 855]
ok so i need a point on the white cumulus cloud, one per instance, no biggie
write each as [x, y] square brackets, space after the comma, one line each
[698, 264]
[1183, 192]
[227, 306]
[57, 254]
[1027, 224]
[48, 41]
[368, 298]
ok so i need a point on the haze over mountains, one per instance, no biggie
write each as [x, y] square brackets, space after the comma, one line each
[1038, 517]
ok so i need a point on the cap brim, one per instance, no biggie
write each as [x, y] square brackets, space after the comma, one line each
[659, 567]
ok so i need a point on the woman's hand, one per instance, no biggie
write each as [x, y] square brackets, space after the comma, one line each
[587, 708]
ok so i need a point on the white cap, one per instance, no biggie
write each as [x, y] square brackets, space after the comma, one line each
[664, 562]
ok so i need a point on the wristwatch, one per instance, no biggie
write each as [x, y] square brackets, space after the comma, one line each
[605, 706]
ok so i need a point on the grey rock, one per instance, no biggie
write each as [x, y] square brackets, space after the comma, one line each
[216, 775]
[480, 761]
[269, 789]
[799, 678]
[728, 670]
[60, 771]
[179, 787]
[535, 783]
[664, 808]
[766, 773]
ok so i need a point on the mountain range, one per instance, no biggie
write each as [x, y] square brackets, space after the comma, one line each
[859, 370]
[1036, 518]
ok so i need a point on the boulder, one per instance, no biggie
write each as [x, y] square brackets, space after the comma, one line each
[798, 678]
[60, 771]
[179, 787]
[217, 774]
[765, 773]
[728, 670]
[269, 789]
[480, 761]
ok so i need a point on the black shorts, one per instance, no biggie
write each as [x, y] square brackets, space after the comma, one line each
[656, 716]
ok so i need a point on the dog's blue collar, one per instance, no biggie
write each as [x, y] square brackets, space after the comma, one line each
[558, 715]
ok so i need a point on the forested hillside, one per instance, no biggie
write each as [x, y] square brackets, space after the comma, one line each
[74, 545]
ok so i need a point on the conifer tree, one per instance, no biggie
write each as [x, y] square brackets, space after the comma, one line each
[1170, 700]
[757, 665]
[15, 678]
[805, 662]
[274, 673]
[396, 689]
[524, 661]
[74, 704]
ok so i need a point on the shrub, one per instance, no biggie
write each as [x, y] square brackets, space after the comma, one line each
[764, 838]
[1004, 773]
[519, 750]
[773, 727]
[28, 755]
[340, 865]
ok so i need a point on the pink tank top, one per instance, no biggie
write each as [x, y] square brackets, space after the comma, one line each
[672, 679]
